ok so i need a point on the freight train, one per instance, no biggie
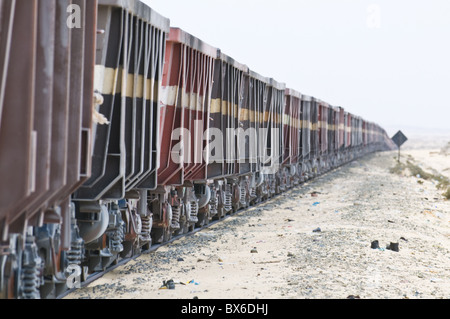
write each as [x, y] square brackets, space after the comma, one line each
[118, 132]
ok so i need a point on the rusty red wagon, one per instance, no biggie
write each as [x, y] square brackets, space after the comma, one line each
[46, 104]
[185, 117]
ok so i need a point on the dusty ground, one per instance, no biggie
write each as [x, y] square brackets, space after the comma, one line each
[273, 252]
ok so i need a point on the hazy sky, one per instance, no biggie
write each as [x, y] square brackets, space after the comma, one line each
[387, 60]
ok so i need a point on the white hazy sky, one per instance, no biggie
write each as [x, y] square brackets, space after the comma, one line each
[387, 60]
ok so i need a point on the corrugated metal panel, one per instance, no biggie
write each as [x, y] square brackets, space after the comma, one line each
[46, 109]
[315, 146]
[323, 127]
[232, 107]
[292, 127]
[306, 127]
[341, 141]
[128, 76]
[256, 101]
[270, 128]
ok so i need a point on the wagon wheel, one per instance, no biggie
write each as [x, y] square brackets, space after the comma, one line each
[9, 264]
[203, 217]
[161, 235]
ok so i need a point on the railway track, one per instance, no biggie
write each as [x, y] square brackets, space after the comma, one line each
[95, 276]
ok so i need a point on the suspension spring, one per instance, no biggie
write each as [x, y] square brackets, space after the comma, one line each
[213, 203]
[75, 254]
[228, 201]
[146, 229]
[193, 211]
[242, 194]
[253, 192]
[30, 280]
[117, 238]
[116, 233]
[175, 224]
[31, 268]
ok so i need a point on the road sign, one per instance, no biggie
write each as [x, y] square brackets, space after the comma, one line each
[399, 139]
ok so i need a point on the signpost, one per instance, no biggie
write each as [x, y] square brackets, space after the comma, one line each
[399, 139]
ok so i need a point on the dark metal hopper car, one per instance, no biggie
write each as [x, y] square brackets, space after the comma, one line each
[315, 137]
[306, 158]
[332, 136]
[271, 138]
[292, 139]
[130, 53]
[341, 130]
[251, 185]
[322, 127]
[235, 105]
[111, 207]
[347, 136]
[229, 108]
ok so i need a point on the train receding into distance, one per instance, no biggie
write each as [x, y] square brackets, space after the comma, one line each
[118, 132]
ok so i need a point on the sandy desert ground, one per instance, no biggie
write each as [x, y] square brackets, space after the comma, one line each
[313, 242]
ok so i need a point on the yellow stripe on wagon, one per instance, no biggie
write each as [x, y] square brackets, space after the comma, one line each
[109, 81]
